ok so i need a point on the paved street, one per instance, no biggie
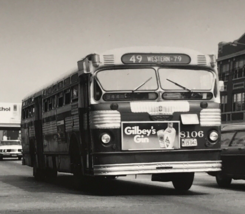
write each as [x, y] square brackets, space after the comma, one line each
[20, 193]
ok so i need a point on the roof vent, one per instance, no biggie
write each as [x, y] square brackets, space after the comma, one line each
[108, 59]
[201, 60]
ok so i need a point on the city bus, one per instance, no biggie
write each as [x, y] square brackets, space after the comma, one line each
[127, 111]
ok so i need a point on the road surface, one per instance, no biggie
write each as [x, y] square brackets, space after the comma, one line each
[21, 193]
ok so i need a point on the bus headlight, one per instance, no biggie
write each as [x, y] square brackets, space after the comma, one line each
[105, 138]
[213, 136]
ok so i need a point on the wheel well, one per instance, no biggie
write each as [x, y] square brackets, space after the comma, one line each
[74, 148]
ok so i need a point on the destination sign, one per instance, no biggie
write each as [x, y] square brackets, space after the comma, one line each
[143, 58]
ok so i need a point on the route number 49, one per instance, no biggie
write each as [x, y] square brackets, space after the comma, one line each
[135, 58]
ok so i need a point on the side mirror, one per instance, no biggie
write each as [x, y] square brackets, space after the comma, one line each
[221, 85]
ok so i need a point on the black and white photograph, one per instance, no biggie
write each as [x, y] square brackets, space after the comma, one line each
[122, 106]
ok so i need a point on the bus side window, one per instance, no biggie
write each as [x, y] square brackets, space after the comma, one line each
[50, 106]
[67, 96]
[23, 114]
[54, 101]
[75, 93]
[45, 109]
[26, 113]
[60, 99]
[30, 112]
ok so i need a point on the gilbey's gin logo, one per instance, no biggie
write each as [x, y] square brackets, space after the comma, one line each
[141, 135]
[4, 109]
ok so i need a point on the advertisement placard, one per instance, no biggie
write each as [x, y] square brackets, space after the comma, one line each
[150, 135]
[10, 114]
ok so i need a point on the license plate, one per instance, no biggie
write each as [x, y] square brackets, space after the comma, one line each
[189, 142]
[13, 155]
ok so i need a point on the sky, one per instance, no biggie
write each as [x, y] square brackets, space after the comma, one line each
[42, 40]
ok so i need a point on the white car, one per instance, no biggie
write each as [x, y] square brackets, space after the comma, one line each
[10, 148]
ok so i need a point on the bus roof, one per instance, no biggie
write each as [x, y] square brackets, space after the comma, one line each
[39, 91]
[114, 56]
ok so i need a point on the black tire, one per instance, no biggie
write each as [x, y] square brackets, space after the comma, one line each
[111, 177]
[183, 181]
[1, 158]
[79, 180]
[222, 180]
[37, 173]
[19, 158]
[51, 174]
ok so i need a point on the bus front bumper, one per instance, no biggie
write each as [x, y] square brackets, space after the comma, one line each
[157, 167]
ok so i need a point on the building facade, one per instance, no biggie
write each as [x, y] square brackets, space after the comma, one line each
[231, 67]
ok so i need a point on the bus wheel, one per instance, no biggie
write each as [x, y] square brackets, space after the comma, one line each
[1, 158]
[51, 174]
[183, 181]
[222, 180]
[111, 177]
[79, 180]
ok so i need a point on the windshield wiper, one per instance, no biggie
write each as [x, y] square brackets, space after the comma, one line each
[181, 86]
[141, 85]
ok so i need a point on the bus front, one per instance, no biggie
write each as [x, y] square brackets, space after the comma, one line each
[155, 113]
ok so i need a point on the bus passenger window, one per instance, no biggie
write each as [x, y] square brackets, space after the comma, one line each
[74, 93]
[67, 97]
[60, 101]
[33, 111]
[45, 106]
[53, 101]
[50, 104]
[30, 112]
[23, 114]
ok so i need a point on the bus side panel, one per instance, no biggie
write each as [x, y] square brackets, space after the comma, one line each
[71, 131]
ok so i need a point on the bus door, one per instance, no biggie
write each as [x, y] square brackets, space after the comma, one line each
[84, 117]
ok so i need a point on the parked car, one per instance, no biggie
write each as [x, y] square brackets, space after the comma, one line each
[232, 155]
[10, 148]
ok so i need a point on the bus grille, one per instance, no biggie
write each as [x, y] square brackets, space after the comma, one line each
[160, 108]
[104, 119]
[210, 117]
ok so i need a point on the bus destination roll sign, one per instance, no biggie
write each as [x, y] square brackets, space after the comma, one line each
[144, 58]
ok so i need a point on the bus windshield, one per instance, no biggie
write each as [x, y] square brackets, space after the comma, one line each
[193, 80]
[128, 79]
